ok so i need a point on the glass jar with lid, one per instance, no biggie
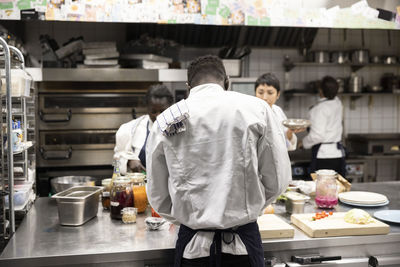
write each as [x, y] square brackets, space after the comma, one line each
[139, 191]
[121, 196]
[105, 195]
[326, 189]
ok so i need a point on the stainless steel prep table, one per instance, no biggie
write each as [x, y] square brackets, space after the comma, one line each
[41, 241]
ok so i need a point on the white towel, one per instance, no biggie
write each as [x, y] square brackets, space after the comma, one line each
[172, 120]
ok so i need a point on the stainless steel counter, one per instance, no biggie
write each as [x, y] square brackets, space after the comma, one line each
[42, 241]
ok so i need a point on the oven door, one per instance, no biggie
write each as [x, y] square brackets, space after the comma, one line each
[76, 148]
[89, 111]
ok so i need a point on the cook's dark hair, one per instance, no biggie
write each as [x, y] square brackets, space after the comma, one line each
[268, 79]
[203, 67]
[157, 91]
[329, 87]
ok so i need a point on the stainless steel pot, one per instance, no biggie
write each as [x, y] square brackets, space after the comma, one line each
[376, 59]
[62, 183]
[339, 57]
[341, 84]
[318, 56]
[390, 60]
[355, 84]
[360, 56]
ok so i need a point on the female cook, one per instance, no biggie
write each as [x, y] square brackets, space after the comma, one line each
[268, 89]
[325, 134]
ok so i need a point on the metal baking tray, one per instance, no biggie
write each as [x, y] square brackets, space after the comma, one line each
[78, 204]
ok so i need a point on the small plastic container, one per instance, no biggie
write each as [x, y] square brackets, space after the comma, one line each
[129, 215]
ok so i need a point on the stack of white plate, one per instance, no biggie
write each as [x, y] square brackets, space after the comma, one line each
[363, 199]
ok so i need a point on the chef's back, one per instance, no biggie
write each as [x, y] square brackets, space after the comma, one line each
[216, 159]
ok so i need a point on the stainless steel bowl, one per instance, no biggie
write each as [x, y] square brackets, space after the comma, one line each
[62, 183]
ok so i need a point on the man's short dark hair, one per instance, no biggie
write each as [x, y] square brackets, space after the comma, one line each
[268, 79]
[204, 67]
[329, 87]
[158, 91]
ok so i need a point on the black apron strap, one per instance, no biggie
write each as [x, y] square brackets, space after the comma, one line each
[342, 170]
[185, 234]
[142, 153]
[314, 153]
[250, 235]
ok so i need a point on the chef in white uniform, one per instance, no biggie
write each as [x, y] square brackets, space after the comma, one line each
[325, 133]
[214, 161]
[131, 137]
[268, 88]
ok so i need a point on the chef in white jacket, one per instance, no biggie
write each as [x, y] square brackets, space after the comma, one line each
[131, 137]
[214, 161]
[267, 88]
[325, 133]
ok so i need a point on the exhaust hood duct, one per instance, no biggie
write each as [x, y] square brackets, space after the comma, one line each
[217, 36]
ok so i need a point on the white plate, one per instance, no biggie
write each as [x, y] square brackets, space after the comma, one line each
[296, 124]
[364, 198]
[364, 205]
[388, 215]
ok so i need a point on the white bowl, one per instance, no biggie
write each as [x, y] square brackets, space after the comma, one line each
[296, 124]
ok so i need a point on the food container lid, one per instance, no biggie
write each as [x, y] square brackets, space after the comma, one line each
[122, 180]
[296, 197]
[136, 177]
[106, 182]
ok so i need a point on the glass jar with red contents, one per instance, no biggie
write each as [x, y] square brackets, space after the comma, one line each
[121, 196]
[326, 195]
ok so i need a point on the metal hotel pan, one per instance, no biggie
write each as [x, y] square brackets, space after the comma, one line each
[78, 204]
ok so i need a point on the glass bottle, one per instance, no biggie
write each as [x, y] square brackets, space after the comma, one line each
[105, 195]
[121, 196]
[326, 189]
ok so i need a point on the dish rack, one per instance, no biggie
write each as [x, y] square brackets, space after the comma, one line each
[17, 176]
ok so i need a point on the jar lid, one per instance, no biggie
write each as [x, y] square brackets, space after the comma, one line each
[326, 172]
[106, 182]
[122, 180]
[136, 177]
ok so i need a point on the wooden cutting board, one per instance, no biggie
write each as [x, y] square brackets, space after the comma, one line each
[334, 225]
[271, 226]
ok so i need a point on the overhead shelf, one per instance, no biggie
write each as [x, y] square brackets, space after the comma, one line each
[353, 66]
[107, 75]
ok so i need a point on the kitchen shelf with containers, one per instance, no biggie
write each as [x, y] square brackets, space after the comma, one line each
[17, 130]
[353, 85]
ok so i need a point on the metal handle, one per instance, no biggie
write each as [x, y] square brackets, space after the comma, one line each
[314, 259]
[42, 117]
[133, 114]
[44, 155]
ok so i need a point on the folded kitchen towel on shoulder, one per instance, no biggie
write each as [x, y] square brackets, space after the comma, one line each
[172, 120]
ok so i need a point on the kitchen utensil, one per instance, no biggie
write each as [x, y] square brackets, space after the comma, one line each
[318, 56]
[295, 124]
[365, 205]
[334, 225]
[339, 57]
[355, 84]
[363, 197]
[360, 56]
[392, 216]
[271, 226]
[295, 202]
[78, 204]
[376, 59]
[62, 183]
[390, 59]
[341, 84]
[154, 223]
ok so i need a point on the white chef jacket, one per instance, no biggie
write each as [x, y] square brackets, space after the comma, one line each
[280, 116]
[129, 140]
[326, 126]
[222, 171]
